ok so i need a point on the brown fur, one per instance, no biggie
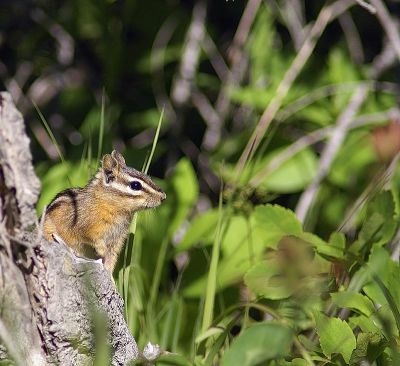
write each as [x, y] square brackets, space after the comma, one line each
[98, 215]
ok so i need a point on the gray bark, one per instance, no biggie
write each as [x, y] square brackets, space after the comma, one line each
[50, 301]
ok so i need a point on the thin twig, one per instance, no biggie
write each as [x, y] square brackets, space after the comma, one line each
[352, 37]
[157, 61]
[367, 6]
[315, 137]
[294, 19]
[333, 89]
[327, 14]
[308, 196]
[237, 57]
[181, 89]
[335, 142]
[184, 80]
[215, 57]
[374, 187]
[388, 25]
[211, 117]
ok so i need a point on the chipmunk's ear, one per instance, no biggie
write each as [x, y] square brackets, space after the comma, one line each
[110, 167]
[118, 157]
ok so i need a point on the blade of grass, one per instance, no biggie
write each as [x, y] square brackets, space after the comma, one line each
[49, 132]
[52, 137]
[396, 314]
[125, 276]
[169, 325]
[212, 275]
[391, 301]
[101, 131]
[132, 230]
[89, 153]
[155, 140]
[158, 272]
[216, 347]
[164, 245]
[177, 326]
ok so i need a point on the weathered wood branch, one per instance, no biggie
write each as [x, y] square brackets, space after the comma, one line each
[50, 300]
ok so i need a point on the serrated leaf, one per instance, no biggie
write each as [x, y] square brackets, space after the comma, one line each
[335, 335]
[277, 222]
[369, 347]
[257, 344]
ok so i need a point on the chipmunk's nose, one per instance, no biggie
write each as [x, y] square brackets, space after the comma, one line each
[163, 196]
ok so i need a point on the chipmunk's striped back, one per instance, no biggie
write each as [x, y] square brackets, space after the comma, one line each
[98, 215]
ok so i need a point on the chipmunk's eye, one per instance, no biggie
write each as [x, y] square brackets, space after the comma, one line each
[135, 185]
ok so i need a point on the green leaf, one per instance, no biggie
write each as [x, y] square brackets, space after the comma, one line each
[257, 344]
[173, 359]
[379, 264]
[246, 239]
[186, 189]
[242, 245]
[352, 160]
[369, 347]
[297, 362]
[264, 280]
[341, 69]
[338, 240]
[322, 247]
[366, 324]
[335, 335]
[354, 301]
[201, 230]
[252, 96]
[277, 222]
[260, 42]
[319, 113]
[292, 175]
[210, 332]
[380, 225]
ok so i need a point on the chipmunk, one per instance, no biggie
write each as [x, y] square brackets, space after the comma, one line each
[99, 214]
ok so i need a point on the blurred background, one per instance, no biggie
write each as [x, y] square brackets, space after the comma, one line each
[213, 67]
[287, 102]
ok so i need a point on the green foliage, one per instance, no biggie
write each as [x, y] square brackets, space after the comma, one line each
[257, 344]
[223, 272]
[336, 336]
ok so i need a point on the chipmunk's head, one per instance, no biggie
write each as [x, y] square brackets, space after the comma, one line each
[137, 188]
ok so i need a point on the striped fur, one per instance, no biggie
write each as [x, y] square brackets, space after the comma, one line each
[98, 215]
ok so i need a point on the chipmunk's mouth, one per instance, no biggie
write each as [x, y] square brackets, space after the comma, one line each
[153, 204]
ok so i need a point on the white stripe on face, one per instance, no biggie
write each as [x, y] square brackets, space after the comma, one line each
[126, 188]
